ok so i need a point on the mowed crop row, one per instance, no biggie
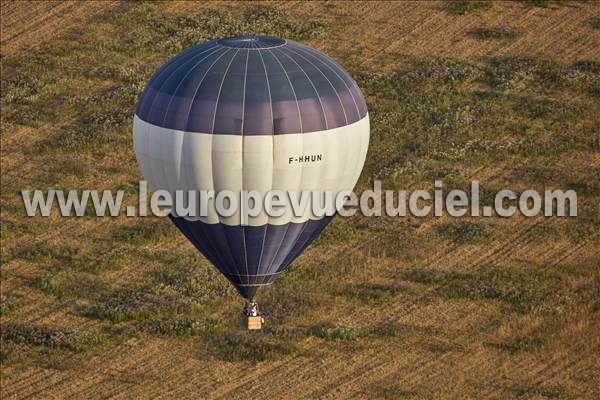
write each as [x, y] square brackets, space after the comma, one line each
[500, 308]
[26, 24]
[341, 372]
[382, 35]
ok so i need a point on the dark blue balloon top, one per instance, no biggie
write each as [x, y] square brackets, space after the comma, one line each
[251, 85]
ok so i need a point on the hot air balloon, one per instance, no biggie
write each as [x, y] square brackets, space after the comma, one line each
[254, 113]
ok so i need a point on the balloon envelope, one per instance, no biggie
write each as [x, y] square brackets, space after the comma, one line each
[251, 113]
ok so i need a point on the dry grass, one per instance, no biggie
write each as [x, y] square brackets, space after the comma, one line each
[506, 93]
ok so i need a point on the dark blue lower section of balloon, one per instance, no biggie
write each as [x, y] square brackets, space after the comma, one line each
[251, 256]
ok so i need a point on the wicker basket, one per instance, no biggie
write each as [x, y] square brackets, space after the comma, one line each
[254, 323]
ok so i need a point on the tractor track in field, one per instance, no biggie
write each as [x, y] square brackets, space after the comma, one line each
[28, 24]
[542, 374]
[428, 30]
[289, 370]
[365, 366]
[413, 372]
[231, 385]
[462, 364]
[281, 369]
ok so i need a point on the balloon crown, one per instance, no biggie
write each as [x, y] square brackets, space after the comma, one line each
[252, 42]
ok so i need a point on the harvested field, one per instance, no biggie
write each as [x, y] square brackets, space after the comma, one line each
[485, 308]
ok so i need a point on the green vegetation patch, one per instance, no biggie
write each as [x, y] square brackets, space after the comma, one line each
[7, 304]
[527, 390]
[392, 391]
[373, 293]
[248, 346]
[519, 344]
[494, 33]
[23, 341]
[143, 230]
[544, 3]
[67, 283]
[51, 337]
[522, 290]
[44, 252]
[174, 326]
[286, 301]
[58, 257]
[339, 332]
[463, 7]
[353, 333]
[176, 288]
[434, 113]
[465, 232]
[137, 302]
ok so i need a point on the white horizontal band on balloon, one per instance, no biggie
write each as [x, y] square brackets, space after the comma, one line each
[174, 160]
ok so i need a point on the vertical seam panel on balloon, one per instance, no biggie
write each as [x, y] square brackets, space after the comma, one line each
[198, 88]
[306, 224]
[212, 144]
[183, 80]
[162, 164]
[302, 169]
[358, 157]
[272, 156]
[301, 131]
[243, 227]
[213, 133]
[219, 92]
[175, 70]
[330, 84]
[310, 50]
[221, 260]
[292, 86]
[311, 84]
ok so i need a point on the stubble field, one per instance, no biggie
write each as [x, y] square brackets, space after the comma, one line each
[507, 93]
